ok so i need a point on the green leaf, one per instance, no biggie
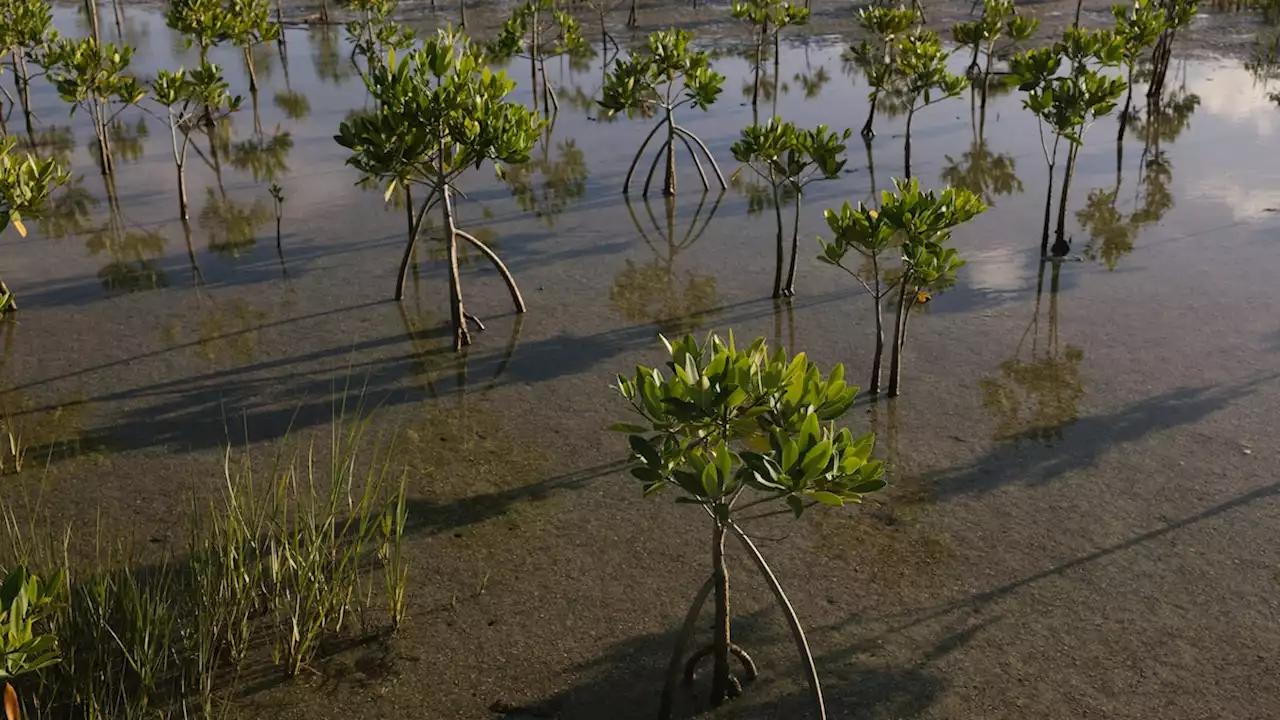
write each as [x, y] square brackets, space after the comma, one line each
[628, 428]
[827, 498]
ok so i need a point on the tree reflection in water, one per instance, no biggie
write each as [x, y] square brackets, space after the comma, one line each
[1036, 397]
[654, 291]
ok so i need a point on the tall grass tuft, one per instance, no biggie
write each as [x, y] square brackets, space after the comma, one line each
[274, 570]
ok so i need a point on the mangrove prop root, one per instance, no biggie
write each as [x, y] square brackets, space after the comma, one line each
[749, 672]
[661, 154]
[502, 268]
[711, 158]
[472, 318]
[682, 642]
[631, 171]
[797, 632]
[696, 162]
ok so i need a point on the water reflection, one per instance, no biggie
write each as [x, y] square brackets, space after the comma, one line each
[294, 105]
[551, 181]
[985, 173]
[225, 331]
[1035, 397]
[434, 358]
[265, 158]
[231, 225]
[68, 211]
[127, 142]
[54, 141]
[654, 291]
[326, 55]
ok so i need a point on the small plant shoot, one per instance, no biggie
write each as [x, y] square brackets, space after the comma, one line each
[768, 18]
[733, 429]
[537, 30]
[877, 56]
[93, 77]
[668, 76]
[923, 79]
[187, 97]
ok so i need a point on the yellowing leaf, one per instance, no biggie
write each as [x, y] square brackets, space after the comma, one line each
[17, 225]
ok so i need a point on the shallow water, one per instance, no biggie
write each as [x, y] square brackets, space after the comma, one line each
[1080, 471]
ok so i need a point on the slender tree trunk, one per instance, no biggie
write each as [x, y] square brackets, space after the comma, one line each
[462, 24]
[867, 131]
[533, 78]
[790, 290]
[1048, 212]
[1128, 103]
[115, 6]
[755, 83]
[871, 170]
[182, 191]
[669, 186]
[720, 679]
[248, 63]
[899, 322]
[906, 165]
[878, 360]
[1076, 22]
[1060, 245]
[632, 20]
[22, 79]
[91, 11]
[461, 336]
[777, 212]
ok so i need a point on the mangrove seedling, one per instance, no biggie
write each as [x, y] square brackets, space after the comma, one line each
[876, 56]
[537, 30]
[26, 645]
[26, 29]
[1067, 105]
[919, 224]
[670, 75]
[203, 22]
[734, 429]
[440, 111]
[187, 96]
[768, 18]
[1000, 18]
[248, 24]
[25, 185]
[1177, 15]
[374, 33]
[788, 159]
[1138, 26]
[925, 80]
[93, 77]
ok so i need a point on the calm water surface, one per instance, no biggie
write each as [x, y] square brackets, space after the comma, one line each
[1133, 391]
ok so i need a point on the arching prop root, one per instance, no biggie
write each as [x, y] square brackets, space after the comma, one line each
[749, 672]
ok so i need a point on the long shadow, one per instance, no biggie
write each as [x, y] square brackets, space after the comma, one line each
[1088, 439]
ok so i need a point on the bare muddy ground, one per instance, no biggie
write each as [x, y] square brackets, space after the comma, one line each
[1083, 506]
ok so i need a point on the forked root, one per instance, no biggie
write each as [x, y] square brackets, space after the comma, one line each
[749, 672]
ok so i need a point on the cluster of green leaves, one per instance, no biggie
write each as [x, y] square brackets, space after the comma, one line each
[374, 32]
[440, 110]
[25, 184]
[1000, 18]
[202, 21]
[918, 222]
[26, 26]
[85, 72]
[184, 91]
[726, 420]
[667, 74]
[771, 16]
[25, 602]
[876, 55]
[538, 29]
[922, 69]
[779, 152]
[1068, 103]
[1138, 25]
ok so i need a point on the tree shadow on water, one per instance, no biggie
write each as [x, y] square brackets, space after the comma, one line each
[1090, 438]
[625, 681]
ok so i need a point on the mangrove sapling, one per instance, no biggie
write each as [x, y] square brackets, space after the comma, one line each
[1138, 26]
[537, 30]
[924, 79]
[999, 19]
[248, 24]
[1177, 15]
[25, 185]
[203, 22]
[921, 223]
[871, 236]
[92, 77]
[1067, 105]
[670, 75]
[187, 97]
[26, 28]
[767, 18]
[789, 158]
[440, 111]
[876, 56]
[374, 34]
[728, 424]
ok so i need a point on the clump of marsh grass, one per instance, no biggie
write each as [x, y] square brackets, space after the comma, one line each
[277, 566]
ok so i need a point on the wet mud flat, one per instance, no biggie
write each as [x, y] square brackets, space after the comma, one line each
[1082, 500]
